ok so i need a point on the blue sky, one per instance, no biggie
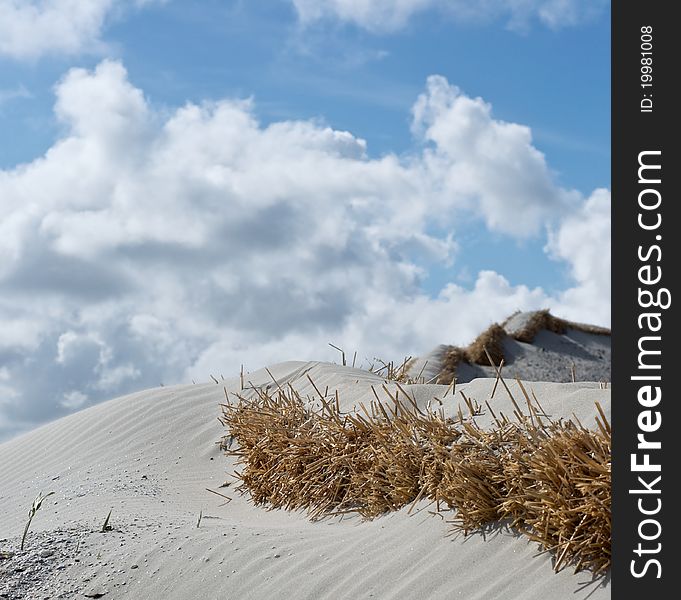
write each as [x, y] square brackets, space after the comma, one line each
[333, 84]
[556, 81]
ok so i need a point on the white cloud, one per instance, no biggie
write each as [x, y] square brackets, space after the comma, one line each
[391, 15]
[488, 163]
[71, 345]
[30, 29]
[149, 247]
[583, 241]
[372, 14]
[112, 379]
[73, 400]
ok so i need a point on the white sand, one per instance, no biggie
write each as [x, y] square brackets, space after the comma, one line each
[149, 457]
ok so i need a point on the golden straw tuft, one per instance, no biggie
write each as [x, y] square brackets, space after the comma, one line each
[550, 479]
[543, 319]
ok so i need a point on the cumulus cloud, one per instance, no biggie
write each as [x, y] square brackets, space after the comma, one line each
[391, 15]
[147, 247]
[583, 242]
[488, 163]
[30, 29]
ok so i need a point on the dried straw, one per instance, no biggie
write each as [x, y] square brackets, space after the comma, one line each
[491, 341]
[543, 319]
[450, 363]
[550, 479]
[488, 343]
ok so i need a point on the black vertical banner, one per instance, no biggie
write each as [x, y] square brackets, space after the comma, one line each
[645, 265]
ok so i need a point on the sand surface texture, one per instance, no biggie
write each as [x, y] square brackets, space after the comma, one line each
[149, 457]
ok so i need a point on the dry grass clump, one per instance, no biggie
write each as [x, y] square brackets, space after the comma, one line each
[294, 457]
[551, 479]
[489, 344]
[450, 362]
[543, 319]
[566, 495]
[490, 341]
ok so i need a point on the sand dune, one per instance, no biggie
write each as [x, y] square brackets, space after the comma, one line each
[535, 346]
[150, 456]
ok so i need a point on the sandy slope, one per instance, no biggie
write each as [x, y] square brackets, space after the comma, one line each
[584, 355]
[149, 457]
